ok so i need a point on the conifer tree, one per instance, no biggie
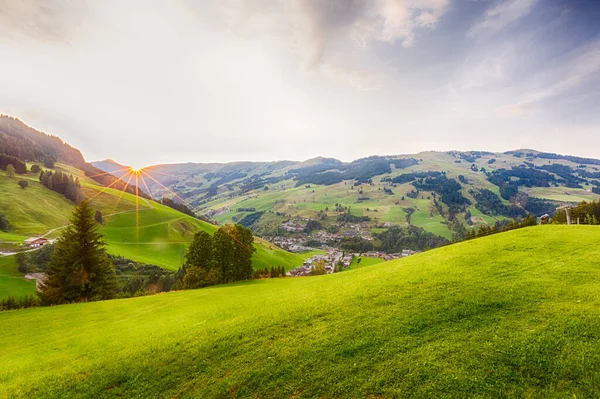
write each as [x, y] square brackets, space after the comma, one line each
[79, 269]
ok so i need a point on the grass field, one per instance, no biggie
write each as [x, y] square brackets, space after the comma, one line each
[510, 315]
[12, 282]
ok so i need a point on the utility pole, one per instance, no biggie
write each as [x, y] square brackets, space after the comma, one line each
[568, 215]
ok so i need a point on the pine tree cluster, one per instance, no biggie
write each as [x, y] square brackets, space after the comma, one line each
[63, 184]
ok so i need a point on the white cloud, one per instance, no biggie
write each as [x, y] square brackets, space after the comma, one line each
[503, 15]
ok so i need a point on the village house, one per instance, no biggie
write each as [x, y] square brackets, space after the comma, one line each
[35, 242]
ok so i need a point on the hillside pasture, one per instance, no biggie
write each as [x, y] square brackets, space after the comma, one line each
[510, 315]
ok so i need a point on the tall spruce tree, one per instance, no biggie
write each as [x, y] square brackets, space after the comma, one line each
[80, 270]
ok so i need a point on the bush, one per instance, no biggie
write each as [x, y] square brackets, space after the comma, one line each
[49, 163]
[35, 169]
[4, 223]
[23, 184]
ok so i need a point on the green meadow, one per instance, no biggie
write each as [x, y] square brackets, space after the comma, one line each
[510, 315]
[135, 228]
[12, 282]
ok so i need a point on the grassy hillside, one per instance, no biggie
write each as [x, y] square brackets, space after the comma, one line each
[133, 227]
[511, 315]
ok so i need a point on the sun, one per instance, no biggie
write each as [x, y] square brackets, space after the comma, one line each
[136, 168]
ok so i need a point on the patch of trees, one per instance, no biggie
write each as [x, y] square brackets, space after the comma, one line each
[520, 154]
[361, 170]
[579, 160]
[224, 178]
[312, 225]
[136, 279]
[588, 174]
[538, 206]
[448, 190]
[348, 218]
[566, 173]
[388, 191]
[259, 182]
[491, 161]
[23, 142]
[183, 208]
[34, 261]
[490, 204]
[396, 238]
[246, 209]
[19, 166]
[250, 219]
[63, 184]
[12, 302]
[274, 272]
[410, 177]
[222, 258]
[356, 244]
[412, 194]
[596, 190]
[584, 213]
[408, 214]
[5, 225]
[509, 180]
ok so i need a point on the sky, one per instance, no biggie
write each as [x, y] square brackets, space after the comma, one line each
[152, 81]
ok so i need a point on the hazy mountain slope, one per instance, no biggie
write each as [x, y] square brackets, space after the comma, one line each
[510, 315]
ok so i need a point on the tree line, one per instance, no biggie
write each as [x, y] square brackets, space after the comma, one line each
[63, 184]
[486, 230]
[584, 213]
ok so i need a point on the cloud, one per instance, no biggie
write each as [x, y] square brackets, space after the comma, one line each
[502, 15]
[573, 71]
[45, 20]
[333, 35]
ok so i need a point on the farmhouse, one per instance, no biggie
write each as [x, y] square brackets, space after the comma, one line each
[35, 242]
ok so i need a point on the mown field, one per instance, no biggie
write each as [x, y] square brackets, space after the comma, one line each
[510, 315]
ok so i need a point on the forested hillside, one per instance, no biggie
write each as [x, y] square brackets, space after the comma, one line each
[23, 142]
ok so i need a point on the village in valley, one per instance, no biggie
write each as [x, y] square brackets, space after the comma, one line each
[334, 259]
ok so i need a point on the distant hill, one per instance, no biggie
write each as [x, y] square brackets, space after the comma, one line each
[441, 192]
[510, 315]
[22, 141]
